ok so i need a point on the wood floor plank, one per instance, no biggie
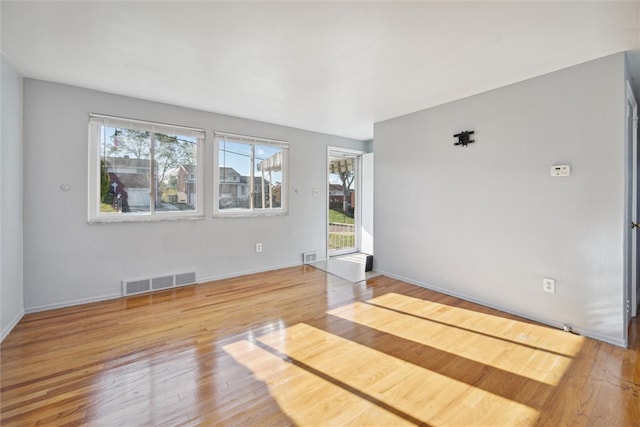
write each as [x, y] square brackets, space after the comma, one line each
[298, 346]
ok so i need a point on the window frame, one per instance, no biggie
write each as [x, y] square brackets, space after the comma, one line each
[96, 121]
[253, 141]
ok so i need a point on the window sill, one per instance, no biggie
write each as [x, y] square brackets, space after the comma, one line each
[144, 218]
[250, 214]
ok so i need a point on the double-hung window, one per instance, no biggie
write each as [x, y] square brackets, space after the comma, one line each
[251, 175]
[142, 170]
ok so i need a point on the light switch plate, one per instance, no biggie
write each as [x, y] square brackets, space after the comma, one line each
[560, 170]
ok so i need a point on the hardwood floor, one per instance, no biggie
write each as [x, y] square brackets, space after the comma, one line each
[301, 347]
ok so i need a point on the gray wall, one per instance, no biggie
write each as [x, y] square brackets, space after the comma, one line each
[487, 222]
[68, 261]
[11, 260]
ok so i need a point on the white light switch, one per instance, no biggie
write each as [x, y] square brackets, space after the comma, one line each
[560, 170]
[315, 192]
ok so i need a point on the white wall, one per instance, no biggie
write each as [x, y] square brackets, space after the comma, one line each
[367, 204]
[69, 261]
[11, 259]
[487, 222]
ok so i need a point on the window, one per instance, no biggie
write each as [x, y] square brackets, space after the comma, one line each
[143, 171]
[252, 175]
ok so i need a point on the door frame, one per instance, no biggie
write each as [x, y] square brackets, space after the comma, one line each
[346, 152]
[631, 211]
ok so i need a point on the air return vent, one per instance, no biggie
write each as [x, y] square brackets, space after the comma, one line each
[309, 257]
[185, 278]
[162, 282]
[134, 287]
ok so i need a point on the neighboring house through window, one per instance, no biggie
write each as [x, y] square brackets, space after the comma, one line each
[252, 175]
[142, 170]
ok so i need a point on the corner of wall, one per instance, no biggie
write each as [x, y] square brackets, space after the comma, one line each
[11, 190]
[632, 59]
[6, 330]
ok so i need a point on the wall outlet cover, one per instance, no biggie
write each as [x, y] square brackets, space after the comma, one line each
[549, 285]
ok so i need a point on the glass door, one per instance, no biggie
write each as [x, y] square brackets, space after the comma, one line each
[343, 199]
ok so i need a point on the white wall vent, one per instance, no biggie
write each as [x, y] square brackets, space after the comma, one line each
[140, 286]
[309, 257]
[135, 286]
[162, 282]
[185, 278]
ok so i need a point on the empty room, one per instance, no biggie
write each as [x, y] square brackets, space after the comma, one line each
[319, 213]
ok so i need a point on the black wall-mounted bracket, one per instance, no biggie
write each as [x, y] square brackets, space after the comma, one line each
[463, 138]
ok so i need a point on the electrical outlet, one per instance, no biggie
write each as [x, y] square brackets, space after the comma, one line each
[549, 285]
[258, 247]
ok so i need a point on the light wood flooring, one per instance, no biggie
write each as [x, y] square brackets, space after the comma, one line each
[299, 346]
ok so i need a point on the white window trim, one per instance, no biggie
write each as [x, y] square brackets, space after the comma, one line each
[94, 214]
[252, 212]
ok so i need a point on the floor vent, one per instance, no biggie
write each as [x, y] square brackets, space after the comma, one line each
[309, 257]
[134, 287]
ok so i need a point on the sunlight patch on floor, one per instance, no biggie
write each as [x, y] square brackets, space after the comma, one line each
[482, 346]
[306, 398]
[542, 337]
[349, 267]
[413, 393]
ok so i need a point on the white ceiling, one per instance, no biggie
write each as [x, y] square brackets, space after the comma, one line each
[333, 67]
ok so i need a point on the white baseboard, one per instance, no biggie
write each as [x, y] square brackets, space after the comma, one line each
[119, 295]
[549, 322]
[6, 331]
[72, 303]
[245, 273]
